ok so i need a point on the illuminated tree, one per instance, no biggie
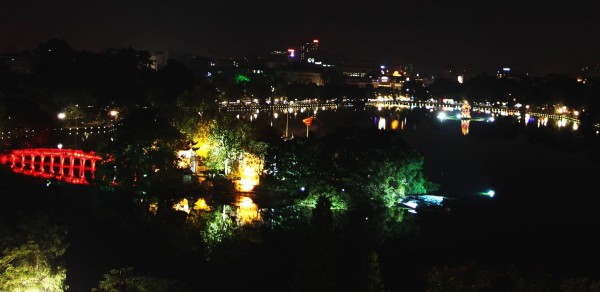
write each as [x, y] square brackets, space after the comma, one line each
[28, 268]
[228, 140]
[32, 259]
[337, 199]
[292, 164]
[217, 228]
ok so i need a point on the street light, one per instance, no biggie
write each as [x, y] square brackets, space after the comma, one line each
[114, 113]
[62, 116]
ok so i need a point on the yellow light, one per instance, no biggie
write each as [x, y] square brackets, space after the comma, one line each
[182, 206]
[201, 205]
[247, 211]
[153, 208]
[394, 125]
[249, 169]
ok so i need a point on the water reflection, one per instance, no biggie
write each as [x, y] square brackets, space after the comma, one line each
[464, 125]
[247, 211]
[243, 210]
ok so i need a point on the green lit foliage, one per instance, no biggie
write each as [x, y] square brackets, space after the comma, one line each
[227, 88]
[32, 259]
[228, 140]
[365, 171]
[379, 165]
[124, 279]
[241, 79]
[217, 228]
[337, 199]
[195, 109]
[28, 267]
[291, 165]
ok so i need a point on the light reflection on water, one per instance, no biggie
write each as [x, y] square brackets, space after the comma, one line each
[398, 118]
[243, 210]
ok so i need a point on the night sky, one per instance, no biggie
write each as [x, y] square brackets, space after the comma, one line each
[537, 37]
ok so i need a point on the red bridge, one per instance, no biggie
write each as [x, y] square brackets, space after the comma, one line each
[63, 164]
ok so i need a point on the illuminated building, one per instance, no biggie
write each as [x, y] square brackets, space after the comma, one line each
[159, 59]
[309, 52]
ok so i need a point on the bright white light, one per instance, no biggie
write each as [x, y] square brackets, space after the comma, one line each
[491, 193]
[60, 146]
[412, 211]
[442, 116]
[62, 116]
[491, 119]
[381, 124]
[431, 199]
[458, 116]
[302, 189]
[411, 204]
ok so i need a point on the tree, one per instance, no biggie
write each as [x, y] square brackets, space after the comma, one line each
[32, 258]
[142, 157]
[27, 267]
[124, 279]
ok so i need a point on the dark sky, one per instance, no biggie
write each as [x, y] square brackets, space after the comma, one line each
[532, 36]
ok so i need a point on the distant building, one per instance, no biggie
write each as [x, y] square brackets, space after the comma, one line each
[159, 59]
[510, 73]
[309, 52]
[359, 74]
[303, 77]
[17, 63]
[278, 59]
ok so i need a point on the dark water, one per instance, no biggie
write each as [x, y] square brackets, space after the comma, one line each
[544, 216]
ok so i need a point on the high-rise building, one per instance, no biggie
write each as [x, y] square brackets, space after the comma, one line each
[309, 52]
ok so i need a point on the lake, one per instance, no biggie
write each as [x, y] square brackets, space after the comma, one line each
[545, 211]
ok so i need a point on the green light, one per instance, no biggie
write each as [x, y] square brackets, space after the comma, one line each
[239, 78]
[489, 193]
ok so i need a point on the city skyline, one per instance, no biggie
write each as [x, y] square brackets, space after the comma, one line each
[535, 38]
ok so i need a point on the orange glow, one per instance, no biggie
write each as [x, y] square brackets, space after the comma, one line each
[394, 125]
[316, 41]
[464, 124]
[247, 211]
